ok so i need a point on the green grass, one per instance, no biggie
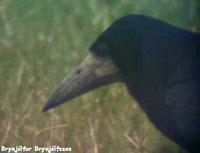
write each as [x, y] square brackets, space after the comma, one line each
[43, 40]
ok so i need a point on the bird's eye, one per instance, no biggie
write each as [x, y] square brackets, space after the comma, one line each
[102, 46]
[102, 49]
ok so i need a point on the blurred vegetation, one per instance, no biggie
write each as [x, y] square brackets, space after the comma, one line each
[43, 40]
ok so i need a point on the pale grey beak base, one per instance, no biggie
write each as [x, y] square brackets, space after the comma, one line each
[93, 72]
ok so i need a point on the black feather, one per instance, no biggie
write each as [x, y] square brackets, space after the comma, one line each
[160, 64]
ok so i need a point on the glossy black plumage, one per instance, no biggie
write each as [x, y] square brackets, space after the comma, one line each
[160, 64]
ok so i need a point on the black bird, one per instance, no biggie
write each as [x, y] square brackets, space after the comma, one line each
[159, 63]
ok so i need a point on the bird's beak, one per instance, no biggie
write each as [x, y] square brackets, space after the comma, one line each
[93, 72]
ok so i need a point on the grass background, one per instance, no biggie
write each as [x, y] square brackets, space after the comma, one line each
[43, 40]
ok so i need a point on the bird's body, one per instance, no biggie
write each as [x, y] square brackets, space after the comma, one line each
[160, 65]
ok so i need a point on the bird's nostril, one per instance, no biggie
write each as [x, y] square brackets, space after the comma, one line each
[78, 71]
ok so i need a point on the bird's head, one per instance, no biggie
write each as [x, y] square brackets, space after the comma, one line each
[112, 56]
